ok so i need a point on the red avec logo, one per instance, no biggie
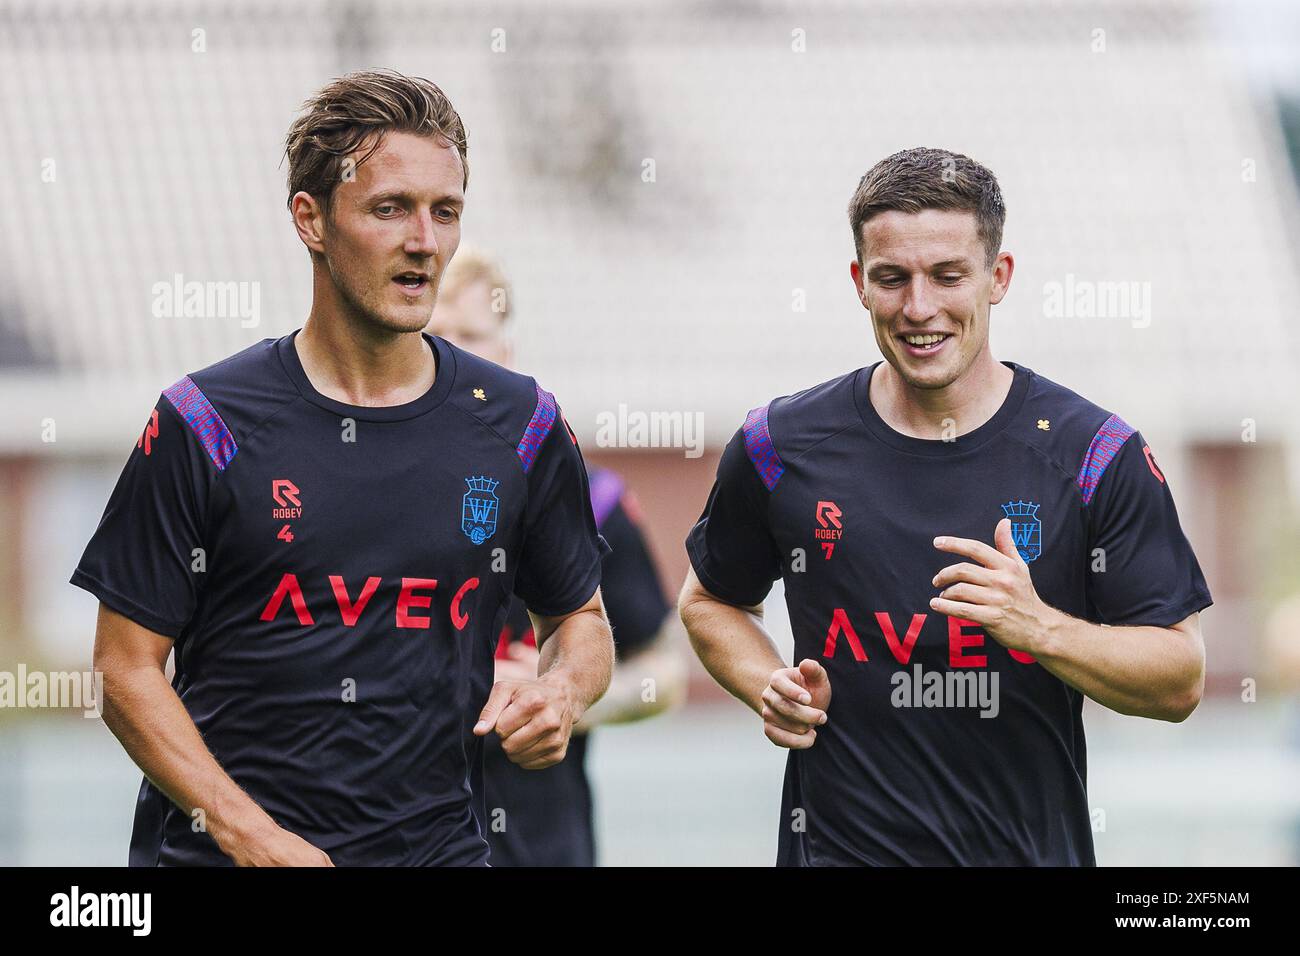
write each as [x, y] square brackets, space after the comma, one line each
[828, 516]
[964, 639]
[409, 602]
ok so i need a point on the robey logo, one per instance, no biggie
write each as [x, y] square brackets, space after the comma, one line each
[830, 529]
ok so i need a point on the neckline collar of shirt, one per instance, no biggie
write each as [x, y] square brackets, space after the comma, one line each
[963, 444]
[445, 371]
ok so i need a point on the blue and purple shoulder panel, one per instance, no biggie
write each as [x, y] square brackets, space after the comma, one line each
[188, 400]
[544, 415]
[759, 447]
[1105, 445]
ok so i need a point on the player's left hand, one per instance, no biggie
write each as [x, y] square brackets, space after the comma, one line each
[996, 593]
[533, 718]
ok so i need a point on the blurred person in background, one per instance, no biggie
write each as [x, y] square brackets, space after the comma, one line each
[1282, 664]
[315, 525]
[874, 496]
[544, 818]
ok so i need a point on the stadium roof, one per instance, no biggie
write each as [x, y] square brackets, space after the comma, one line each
[1136, 154]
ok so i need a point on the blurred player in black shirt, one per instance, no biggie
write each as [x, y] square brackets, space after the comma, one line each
[544, 818]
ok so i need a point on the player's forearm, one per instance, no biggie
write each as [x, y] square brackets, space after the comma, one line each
[144, 713]
[644, 684]
[1156, 672]
[732, 644]
[578, 656]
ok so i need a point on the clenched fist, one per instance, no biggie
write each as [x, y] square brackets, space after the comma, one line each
[533, 719]
[794, 704]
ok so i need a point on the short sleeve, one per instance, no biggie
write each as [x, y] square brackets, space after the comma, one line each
[731, 547]
[559, 568]
[141, 559]
[629, 583]
[1142, 570]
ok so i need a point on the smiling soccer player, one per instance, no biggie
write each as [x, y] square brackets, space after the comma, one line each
[950, 529]
[328, 527]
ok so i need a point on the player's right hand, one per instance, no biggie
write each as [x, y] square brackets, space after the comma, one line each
[533, 718]
[279, 847]
[794, 704]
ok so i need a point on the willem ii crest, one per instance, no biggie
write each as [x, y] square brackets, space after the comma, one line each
[1026, 529]
[478, 511]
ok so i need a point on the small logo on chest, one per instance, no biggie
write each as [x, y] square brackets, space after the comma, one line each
[288, 506]
[479, 509]
[1026, 528]
[829, 528]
